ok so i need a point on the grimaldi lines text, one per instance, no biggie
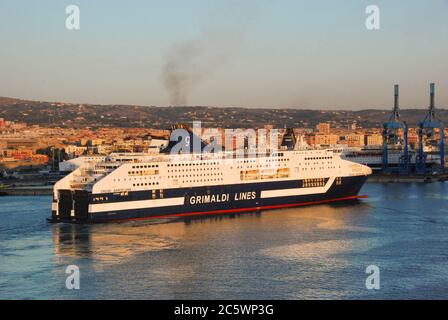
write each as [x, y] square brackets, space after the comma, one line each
[163, 185]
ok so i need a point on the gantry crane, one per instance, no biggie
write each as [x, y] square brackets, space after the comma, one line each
[392, 138]
[427, 130]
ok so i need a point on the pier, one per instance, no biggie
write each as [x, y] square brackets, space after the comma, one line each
[23, 190]
[400, 178]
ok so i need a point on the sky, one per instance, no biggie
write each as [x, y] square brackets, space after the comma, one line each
[315, 54]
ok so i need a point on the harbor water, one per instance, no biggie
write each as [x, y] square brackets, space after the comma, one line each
[316, 252]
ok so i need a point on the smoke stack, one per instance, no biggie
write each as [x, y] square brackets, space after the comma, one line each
[432, 90]
[396, 94]
[396, 111]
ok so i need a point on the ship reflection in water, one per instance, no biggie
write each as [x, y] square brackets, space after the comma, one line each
[186, 254]
[109, 244]
[317, 252]
[113, 243]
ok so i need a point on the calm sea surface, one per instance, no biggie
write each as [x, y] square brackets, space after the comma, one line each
[318, 252]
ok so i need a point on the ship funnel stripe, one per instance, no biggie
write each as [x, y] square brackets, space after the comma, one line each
[297, 191]
[142, 204]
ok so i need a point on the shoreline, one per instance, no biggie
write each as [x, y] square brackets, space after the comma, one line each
[410, 178]
[27, 191]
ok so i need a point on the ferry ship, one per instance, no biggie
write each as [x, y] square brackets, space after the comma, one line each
[165, 185]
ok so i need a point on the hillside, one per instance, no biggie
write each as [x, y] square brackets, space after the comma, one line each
[87, 115]
[8, 101]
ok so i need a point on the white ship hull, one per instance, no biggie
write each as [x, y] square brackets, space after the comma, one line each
[166, 185]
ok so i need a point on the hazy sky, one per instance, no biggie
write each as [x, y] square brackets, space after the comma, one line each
[283, 53]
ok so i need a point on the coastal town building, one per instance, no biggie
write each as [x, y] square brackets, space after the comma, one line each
[373, 140]
[323, 128]
[326, 139]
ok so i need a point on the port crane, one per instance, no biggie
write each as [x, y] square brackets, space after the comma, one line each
[392, 138]
[427, 131]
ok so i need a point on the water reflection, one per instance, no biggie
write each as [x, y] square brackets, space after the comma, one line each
[310, 252]
[111, 244]
[118, 242]
[71, 238]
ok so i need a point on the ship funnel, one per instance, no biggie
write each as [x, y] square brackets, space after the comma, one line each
[289, 139]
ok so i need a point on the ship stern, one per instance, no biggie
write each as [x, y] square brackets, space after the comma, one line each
[71, 206]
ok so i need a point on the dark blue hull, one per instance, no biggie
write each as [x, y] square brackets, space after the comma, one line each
[80, 206]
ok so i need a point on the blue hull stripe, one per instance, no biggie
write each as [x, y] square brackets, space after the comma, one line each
[201, 200]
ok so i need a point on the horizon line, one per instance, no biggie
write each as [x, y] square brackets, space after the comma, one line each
[318, 109]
